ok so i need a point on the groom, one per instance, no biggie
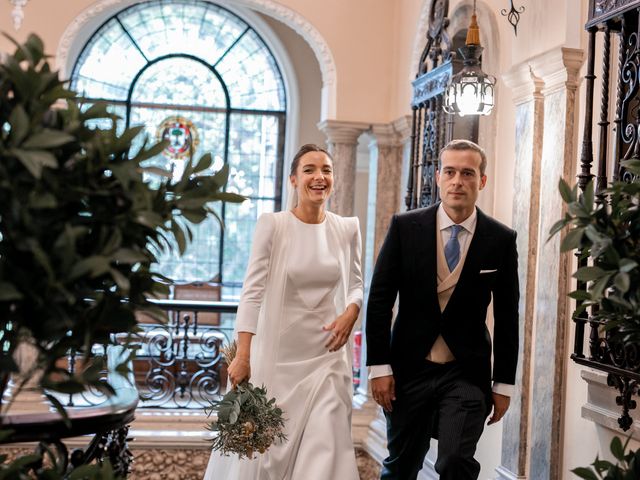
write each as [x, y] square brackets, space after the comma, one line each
[431, 371]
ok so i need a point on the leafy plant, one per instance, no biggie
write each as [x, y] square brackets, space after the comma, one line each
[607, 232]
[80, 225]
[247, 420]
[627, 466]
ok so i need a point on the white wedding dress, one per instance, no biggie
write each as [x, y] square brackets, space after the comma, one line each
[310, 384]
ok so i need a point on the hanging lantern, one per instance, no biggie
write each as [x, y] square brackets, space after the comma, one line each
[471, 91]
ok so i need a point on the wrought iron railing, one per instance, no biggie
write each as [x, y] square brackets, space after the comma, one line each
[108, 421]
[619, 135]
[177, 364]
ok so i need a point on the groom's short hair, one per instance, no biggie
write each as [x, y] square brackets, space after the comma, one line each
[462, 144]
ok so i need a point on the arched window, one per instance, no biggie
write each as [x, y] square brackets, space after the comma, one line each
[197, 74]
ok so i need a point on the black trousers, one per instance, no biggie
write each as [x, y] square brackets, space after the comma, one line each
[439, 403]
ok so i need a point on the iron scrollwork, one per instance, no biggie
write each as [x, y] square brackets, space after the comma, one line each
[183, 364]
[603, 10]
[429, 125]
[513, 16]
[608, 352]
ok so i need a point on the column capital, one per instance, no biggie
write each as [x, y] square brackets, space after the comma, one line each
[338, 131]
[558, 68]
[384, 135]
[524, 85]
[404, 126]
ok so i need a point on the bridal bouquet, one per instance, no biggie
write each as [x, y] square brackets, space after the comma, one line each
[247, 420]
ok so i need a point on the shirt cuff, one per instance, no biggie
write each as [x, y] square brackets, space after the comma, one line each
[504, 389]
[376, 371]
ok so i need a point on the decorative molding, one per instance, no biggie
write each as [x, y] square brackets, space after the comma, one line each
[385, 135]
[431, 84]
[524, 85]
[601, 407]
[341, 132]
[558, 68]
[403, 126]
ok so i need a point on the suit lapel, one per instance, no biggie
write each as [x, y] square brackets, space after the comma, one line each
[426, 250]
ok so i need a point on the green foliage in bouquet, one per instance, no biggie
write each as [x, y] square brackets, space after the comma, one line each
[80, 223]
[608, 233]
[247, 420]
[627, 466]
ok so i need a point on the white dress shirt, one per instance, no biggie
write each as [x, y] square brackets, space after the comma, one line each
[464, 238]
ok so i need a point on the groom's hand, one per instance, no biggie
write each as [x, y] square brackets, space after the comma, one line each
[384, 391]
[500, 407]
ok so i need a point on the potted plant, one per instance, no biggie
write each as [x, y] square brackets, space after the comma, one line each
[627, 466]
[80, 224]
[606, 229]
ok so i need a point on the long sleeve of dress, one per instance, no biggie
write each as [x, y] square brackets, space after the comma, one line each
[256, 276]
[355, 292]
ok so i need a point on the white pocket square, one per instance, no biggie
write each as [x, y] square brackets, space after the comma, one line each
[488, 271]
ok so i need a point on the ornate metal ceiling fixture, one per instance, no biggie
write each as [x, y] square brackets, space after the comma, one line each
[471, 91]
[513, 16]
[18, 13]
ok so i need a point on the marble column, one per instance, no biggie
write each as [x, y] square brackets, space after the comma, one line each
[527, 96]
[342, 142]
[388, 147]
[545, 96]
[559, 70]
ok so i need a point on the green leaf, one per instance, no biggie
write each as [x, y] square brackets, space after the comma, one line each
[19, 122]
[585, 473]
[179, 236]
[616, 448]
[626, 265]
[94, 266]
[47, 138]
[565, 191]
[580, 295]
[35, 160]
[85, 471]
[572, 240]
[121, 280]
[128, 256]
[59, 408]
[622, 282]
[9, 292]
[587, 274]
[154, 150]
[597, 289]
[559, 225]
[633, 165]
[203, 163]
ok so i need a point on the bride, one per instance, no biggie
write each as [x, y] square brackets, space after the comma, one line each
[300, 300]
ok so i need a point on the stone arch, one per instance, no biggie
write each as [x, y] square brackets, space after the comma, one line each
[79, 30]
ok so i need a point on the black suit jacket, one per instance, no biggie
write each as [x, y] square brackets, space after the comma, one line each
[407, 264]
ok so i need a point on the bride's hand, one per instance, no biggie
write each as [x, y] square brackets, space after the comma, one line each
[239, 370]
[341, 328]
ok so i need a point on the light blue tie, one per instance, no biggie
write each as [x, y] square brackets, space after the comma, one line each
[452, 248]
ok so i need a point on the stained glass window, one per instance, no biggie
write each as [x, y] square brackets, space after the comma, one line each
[198, 75]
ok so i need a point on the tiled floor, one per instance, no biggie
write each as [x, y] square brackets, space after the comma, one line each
[367, 466]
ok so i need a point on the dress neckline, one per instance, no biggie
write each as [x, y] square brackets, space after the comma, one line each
[324, 220]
